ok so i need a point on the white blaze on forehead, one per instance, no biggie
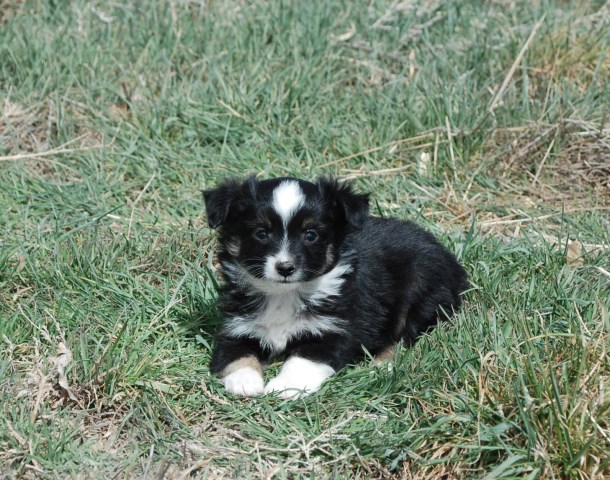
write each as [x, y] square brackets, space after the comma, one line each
[287, 199]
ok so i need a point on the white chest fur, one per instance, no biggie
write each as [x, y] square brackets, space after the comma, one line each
[284, 316]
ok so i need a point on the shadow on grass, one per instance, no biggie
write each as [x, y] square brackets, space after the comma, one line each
[202, 319]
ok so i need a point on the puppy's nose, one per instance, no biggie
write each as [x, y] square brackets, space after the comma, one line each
[285, 269]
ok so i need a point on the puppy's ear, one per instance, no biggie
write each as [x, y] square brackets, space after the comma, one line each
[349, 206]
[222, 200]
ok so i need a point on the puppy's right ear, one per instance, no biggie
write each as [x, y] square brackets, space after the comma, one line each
[221, 200]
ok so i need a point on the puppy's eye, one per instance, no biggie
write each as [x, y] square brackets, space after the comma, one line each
[310, 236]
[261, 234]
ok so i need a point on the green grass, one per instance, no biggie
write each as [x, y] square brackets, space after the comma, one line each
[114, 116]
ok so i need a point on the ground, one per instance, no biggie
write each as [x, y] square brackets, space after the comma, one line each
[486, 122]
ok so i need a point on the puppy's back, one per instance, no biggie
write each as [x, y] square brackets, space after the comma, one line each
[407, 274]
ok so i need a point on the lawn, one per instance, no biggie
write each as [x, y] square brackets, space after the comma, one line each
[486, 122]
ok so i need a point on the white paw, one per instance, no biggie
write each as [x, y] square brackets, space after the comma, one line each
[299, 377]
[246, 382]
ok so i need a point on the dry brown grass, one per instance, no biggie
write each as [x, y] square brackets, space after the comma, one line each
[27, 128]
[26, 134]
[8, 8]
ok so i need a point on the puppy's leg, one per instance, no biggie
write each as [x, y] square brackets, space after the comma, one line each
[237, 362]
[244, 376]
[308, 366]
[299, 377]
[428, 312]
[386, 354]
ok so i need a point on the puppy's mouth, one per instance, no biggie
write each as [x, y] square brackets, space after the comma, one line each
[285, 281]
[276, 285]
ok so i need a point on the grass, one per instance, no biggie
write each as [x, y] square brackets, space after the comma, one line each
[116, 115]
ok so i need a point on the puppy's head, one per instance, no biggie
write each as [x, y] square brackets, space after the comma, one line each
[285, 230]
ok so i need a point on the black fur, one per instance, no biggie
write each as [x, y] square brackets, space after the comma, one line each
[400, 280]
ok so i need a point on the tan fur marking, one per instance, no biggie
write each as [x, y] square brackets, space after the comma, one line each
[265, 221]
[401, 324]
[330, 255]
[309, 222]
[234, 246]
[249, 361]
[386, 354]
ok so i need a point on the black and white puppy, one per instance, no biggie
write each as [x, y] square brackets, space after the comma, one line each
[311, 277]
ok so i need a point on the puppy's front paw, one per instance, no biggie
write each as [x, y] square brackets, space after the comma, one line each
[246, 382]
[299, 377]
[287, 388]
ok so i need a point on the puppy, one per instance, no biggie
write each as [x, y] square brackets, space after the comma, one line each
[311, 277]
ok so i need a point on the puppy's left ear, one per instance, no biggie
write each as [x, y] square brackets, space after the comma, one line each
[351, 207]
[220, 200]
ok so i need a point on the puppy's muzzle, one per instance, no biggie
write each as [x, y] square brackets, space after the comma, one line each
[285, 269]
